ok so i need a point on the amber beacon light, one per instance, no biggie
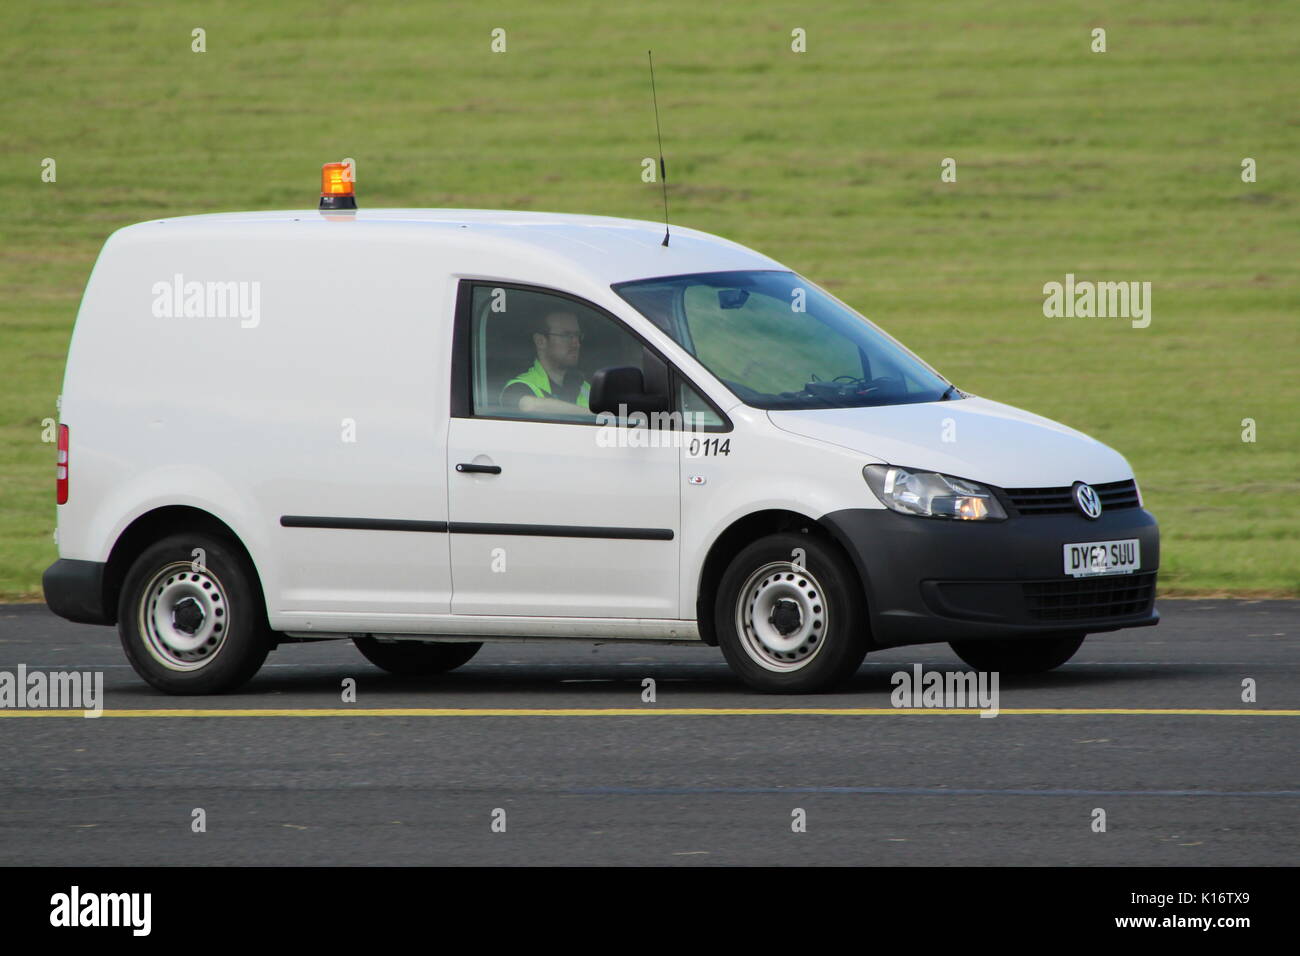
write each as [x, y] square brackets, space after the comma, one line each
[336, 186]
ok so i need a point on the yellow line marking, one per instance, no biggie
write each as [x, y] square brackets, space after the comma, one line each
[658, 712]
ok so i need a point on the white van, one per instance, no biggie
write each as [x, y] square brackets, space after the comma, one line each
[425, 429]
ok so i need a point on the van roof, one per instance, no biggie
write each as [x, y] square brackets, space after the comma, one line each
[604, 248]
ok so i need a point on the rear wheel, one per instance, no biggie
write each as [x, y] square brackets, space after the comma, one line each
[789, 615]
[1032, 655]
[193, 624]
[415, 658]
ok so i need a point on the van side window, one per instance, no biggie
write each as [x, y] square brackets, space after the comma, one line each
[534, 354]
[696, 412]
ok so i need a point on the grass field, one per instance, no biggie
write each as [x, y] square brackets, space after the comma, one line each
[1123, 165]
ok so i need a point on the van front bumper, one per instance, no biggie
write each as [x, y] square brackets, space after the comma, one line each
[75, 590]
[932, 580]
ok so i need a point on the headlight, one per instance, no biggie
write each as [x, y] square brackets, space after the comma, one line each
[932, 495]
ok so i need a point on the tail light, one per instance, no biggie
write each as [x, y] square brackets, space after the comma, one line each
[61, 473]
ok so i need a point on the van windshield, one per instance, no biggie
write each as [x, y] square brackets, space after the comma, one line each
[778, 341]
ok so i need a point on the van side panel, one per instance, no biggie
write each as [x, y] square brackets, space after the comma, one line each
[299, 372]
[766, 469]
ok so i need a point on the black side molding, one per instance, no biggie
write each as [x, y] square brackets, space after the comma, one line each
[562, 531]
[362, 524]
[75, 590]
[472, 527]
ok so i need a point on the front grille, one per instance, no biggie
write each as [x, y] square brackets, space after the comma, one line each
[1115, 495]
[1088, 599]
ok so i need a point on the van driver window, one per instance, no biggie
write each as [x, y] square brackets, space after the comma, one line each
[534, 354]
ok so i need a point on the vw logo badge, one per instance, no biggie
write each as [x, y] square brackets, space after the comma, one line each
[1087, 499]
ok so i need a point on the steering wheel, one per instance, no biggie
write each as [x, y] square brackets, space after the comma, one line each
[863, 386]
[889, 383]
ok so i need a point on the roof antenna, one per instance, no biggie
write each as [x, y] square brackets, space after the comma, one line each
[663, 172]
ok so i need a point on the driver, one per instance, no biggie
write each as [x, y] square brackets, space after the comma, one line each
[553, 385]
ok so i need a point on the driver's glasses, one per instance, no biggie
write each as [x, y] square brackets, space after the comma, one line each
[568, 336]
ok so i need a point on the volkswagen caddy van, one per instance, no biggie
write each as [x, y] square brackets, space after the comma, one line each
[424, 429]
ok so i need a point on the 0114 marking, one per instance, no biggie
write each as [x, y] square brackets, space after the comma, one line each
[707, 447]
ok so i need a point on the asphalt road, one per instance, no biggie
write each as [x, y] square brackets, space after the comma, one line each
[896, 788]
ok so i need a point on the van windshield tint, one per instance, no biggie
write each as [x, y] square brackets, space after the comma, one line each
[778, 341]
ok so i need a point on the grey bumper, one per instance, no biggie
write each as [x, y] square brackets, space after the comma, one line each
[75, 590]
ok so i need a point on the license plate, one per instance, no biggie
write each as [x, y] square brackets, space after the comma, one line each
[1102, 557]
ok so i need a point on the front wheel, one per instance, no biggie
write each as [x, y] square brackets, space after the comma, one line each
[789, 615]
[1032, 655]
[415, 658]
[191, 616]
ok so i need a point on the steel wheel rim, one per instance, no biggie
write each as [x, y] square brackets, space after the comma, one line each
[780, 645]
[184, 617]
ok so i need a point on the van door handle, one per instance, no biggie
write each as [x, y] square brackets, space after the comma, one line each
[470, 469]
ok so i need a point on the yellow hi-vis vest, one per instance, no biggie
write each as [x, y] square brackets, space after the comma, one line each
[537, 379]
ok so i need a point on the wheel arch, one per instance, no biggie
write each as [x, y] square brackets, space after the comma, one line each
[740, 533]
[157, 524]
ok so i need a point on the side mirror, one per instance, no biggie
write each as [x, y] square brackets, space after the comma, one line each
[624, 385]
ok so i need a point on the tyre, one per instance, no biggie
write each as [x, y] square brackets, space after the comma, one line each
[787, 627]
[1032, 655]
[413, 658]
[191, 626]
